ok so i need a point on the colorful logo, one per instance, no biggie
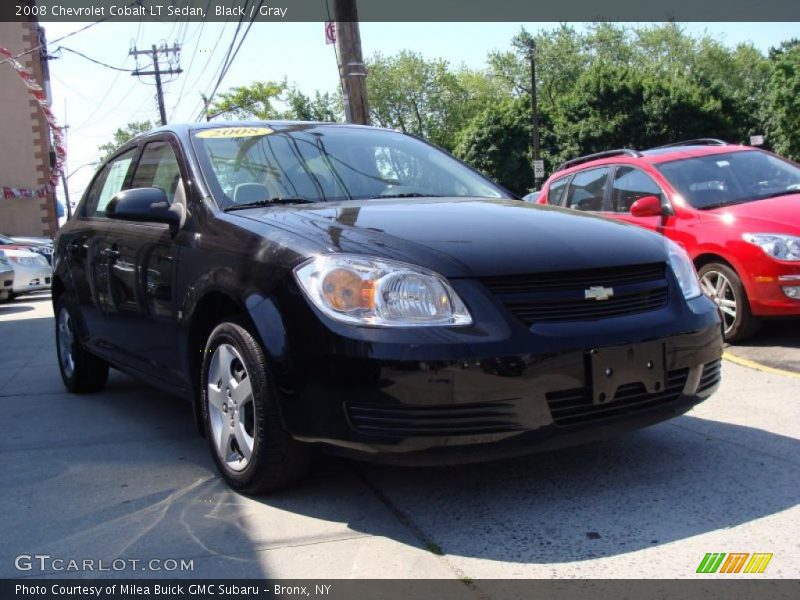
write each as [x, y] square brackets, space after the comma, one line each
[734, 562]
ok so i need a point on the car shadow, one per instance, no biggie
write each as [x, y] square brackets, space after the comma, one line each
[10, 309]
[778, 332]
[652, 487]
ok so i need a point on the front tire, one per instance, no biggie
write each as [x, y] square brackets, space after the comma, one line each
[253, 453]
[724, 286]
[81, 371]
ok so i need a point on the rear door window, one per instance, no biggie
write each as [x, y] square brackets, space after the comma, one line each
[587, 189]
[555, 194]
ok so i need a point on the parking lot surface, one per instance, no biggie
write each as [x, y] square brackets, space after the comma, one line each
[123, 475]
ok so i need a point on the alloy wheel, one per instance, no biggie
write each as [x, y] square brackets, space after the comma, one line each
[231, 409]
[65, 342]
[719, 288]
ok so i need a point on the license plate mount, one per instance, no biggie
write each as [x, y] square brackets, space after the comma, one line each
[620, 365]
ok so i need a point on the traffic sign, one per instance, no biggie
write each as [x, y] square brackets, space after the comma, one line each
[538, 169]
[330, 32]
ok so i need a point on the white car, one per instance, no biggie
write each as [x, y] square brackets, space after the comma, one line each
[32, 272]
[6, 277]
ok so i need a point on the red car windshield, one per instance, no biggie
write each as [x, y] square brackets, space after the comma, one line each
[718, 180]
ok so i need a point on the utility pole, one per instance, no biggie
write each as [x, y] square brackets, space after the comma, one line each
[538, 165]
[352, 71]
[65, 129]
[158, 71]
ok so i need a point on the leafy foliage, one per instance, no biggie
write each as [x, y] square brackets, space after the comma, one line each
[123, 135]
[607, 86]
[783, 100]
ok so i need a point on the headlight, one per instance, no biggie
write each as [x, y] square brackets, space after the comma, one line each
[379, 293]
[27, 261]
[776, 245]
[684, 270]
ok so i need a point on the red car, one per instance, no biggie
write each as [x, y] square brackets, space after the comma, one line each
[735, 209]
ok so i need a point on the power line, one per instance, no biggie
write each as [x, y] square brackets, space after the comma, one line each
[199, 36]
[63, 37]
[94, 60]
[231, 56]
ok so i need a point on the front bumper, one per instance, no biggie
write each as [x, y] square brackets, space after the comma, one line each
[457, 410]
[6, 283]
[766, 280]
[32, 279]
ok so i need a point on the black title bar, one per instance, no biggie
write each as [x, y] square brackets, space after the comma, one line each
[394, 589]
[159, 11]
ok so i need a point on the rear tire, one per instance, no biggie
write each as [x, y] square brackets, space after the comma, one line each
[723, 285]
[81, 371]
[252, 450]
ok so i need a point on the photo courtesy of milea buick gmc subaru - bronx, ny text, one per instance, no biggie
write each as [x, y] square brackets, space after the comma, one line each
[733, 208]
[311, 286]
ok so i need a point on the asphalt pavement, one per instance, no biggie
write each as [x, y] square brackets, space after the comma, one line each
[122, 475]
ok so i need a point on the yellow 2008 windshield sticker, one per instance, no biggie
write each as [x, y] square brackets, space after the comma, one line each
[233, 132]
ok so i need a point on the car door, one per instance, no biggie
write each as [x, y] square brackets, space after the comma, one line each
[141, 285]
[86, 248]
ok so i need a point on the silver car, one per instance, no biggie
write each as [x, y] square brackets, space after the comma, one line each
[32, 272]
[6, 277]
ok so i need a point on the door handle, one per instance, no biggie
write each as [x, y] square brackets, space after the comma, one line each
[110, 253]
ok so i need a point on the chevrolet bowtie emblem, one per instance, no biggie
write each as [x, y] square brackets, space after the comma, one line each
[598, 292]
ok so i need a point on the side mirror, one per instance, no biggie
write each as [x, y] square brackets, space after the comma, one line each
[146, 205]
[647, 206]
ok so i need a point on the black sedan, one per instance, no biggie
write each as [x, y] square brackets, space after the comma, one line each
[328, 286]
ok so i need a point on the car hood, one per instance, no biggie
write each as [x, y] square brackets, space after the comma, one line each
[468, 237]
[10, 250]
[772, 215]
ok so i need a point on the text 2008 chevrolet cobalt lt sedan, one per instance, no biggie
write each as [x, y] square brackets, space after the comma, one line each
[309, 285]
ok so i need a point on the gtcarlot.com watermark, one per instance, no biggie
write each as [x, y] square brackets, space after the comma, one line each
[50, 564]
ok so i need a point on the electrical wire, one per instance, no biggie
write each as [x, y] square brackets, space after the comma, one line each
[94, 60]
[199, 37]
[208, 62]
[233, 53]
[63, 37]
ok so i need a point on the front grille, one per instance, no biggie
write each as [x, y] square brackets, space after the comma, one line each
[575, 406]
[407, 421]
[712, 375]
[561, 296]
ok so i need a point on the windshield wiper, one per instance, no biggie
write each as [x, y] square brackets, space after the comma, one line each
[408, 195]
[268, 202]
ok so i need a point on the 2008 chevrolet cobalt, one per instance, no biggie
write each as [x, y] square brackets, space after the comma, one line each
[308, 285]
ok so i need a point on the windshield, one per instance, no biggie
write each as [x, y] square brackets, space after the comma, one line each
[313, 163]
[731, 178]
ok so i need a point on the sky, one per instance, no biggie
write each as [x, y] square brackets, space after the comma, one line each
[94, 101]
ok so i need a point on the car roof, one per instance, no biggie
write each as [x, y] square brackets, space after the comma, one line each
[654, 156]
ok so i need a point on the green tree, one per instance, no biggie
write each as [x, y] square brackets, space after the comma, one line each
[425, 97]
[497, 143]
[325, 107]
[122, 135]
[254, 101]
[783, 100]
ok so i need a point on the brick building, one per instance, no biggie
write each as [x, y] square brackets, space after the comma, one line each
[25, 156]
